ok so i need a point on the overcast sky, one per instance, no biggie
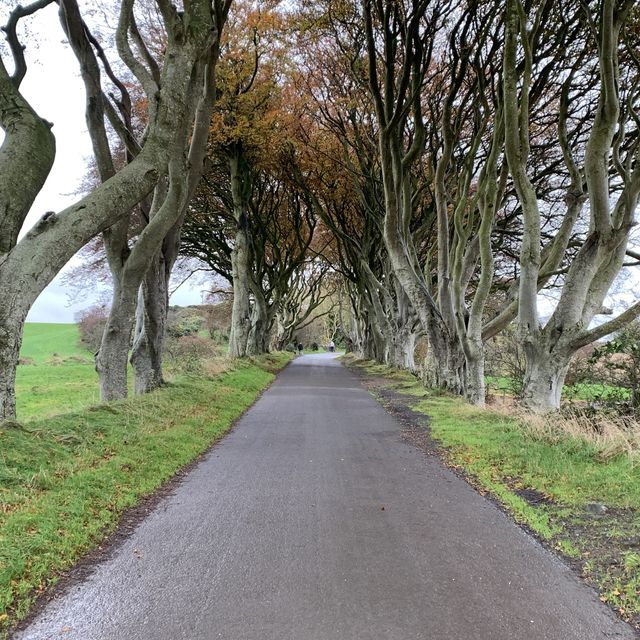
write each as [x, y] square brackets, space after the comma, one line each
[54, 88]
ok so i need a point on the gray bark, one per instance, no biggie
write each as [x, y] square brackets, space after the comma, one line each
[112, 358]
[151, 315]
[11, 327]
[404, 344]
[475, 391]
[240, 259]
[262, 318]
[544, 377]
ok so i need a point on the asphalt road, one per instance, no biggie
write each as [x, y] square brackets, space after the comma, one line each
[312, 520]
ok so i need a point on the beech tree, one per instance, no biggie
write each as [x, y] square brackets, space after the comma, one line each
[282, 274]
[611, 158]
[151, 257]
[246, 131]
[28, 150]
[345, 181]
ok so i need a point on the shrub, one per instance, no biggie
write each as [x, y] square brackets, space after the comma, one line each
[189, 354]
[619, 360]
[218, 320]
[91, 323]
[504, 358]
[183, 322]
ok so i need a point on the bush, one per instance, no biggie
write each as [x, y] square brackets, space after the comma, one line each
[183, 322]
[91, 323]
[219, 321]
[188, 354]
[504, 358]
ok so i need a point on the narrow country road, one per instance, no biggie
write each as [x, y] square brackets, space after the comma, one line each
[313, 520]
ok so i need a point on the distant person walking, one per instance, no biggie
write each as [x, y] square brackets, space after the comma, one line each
[332, 346]
[300, 348]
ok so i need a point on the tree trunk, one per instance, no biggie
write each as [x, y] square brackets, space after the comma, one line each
[404, 343]
[241, 310]
[240, 257]
[151, 315]
[445, 364]
[475, 389]
[544, 380]
[112, 358]
[261, 323]
[11, 329]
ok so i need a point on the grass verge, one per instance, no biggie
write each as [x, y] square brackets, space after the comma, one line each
[66, 480]
[580, 504]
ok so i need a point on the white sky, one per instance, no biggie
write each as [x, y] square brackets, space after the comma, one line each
[54, 88]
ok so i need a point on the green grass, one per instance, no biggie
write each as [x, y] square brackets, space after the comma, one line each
[42, 340]
[595, 392]
[582, 391]
[65, 480]
[569, 471]
[47, 390]
[60, 375]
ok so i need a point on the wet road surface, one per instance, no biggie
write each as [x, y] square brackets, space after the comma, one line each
[312, 520]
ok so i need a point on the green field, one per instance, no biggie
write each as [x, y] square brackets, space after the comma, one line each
[48, 342]
[59, 375]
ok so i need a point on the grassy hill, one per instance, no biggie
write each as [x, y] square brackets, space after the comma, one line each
[58, 375]
[42, 340]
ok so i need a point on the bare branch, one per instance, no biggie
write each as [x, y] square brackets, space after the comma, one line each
[17, 49]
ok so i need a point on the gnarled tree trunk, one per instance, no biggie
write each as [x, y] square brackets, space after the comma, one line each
[113, 355]
[151, 315]
[11, 327]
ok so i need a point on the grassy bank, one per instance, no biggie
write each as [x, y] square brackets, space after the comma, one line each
[583, 504]
[66, 480]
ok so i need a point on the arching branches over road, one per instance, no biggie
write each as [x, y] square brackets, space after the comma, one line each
[446, 160]
[28, 265]
[605, 173]
[284, 274]
[441, 86]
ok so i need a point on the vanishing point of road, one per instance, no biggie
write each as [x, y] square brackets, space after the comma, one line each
[314, 520]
